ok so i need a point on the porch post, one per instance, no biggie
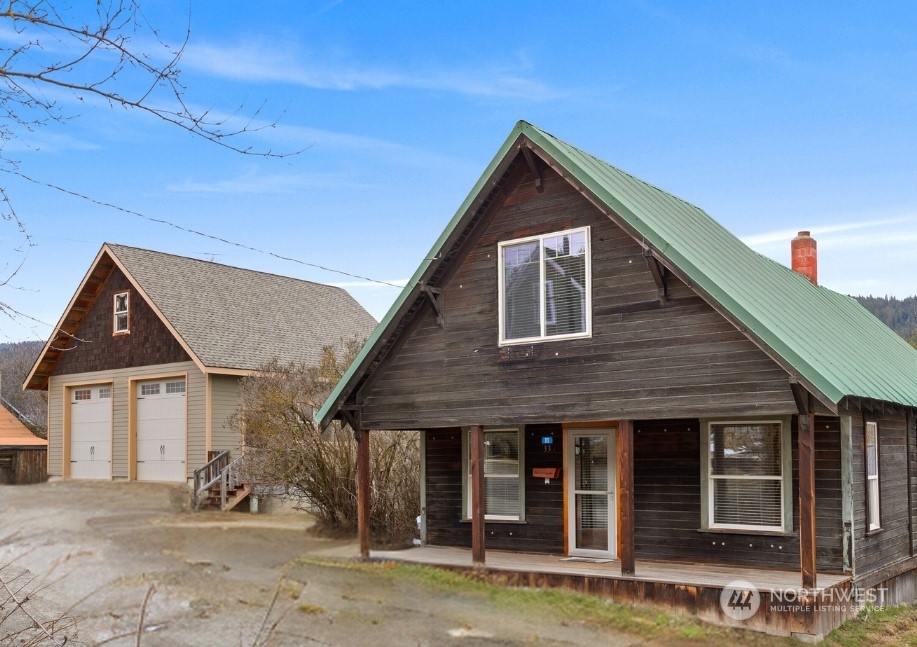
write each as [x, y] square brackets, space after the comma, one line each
[363, 490]
[807, 499]
[477, 495]
[625, 498]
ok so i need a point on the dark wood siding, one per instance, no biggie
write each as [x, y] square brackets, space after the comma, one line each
[23, 465]
[667, 501]
[891, 543]
[541, 531]
[149, 341]
[644, 360]
[829, 524]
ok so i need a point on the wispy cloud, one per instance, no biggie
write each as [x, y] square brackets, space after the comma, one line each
[858, 257]
[48, 142]
[265, 63]
[784, 235]
[254, 183]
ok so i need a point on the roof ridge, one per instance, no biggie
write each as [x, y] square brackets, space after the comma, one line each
[115, 246]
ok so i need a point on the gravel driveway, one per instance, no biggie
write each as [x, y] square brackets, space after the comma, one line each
[94, 557]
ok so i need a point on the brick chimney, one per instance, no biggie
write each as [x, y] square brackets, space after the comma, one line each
[805, 256]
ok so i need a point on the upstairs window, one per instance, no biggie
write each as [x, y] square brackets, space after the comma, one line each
[545, 287]
[121, 313]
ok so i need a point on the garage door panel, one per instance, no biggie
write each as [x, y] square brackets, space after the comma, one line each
[161, 430]
[90, 432]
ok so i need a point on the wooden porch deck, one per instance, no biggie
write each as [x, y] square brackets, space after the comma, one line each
[683, 573]
[688, 588]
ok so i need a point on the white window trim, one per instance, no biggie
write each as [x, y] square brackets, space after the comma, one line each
[541, 292]
[873, 511]
[785, 478]
[466, 474]
[116, 313]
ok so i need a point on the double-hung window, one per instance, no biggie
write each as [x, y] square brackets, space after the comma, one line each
[503, 484]
[872, 475]
[545, 287]
[121, 322]
[747, 475]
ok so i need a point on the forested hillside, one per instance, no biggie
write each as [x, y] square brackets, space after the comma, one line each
[16, 360]
[898, 314]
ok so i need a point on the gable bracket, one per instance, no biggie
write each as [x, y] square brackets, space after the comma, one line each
[351, 416]
[435, 296]
[804, 401]
[535, 167]
[660, 274]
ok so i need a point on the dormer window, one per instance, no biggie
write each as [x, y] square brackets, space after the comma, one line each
[122, 313]
[545, 287]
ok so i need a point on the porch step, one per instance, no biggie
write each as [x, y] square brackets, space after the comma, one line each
[233, 497]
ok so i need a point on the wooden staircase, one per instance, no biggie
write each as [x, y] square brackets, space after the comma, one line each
[219, 485]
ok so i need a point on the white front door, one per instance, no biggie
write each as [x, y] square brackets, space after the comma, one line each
[90, 432]
[161, 417]
[591, 500]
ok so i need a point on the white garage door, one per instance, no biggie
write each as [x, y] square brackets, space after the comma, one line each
[90, 432]
[161, 430]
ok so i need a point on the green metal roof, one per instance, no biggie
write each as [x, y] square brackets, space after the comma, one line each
[829, 340]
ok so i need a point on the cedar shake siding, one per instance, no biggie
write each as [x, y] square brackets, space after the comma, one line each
[644, 359]
[149, 341]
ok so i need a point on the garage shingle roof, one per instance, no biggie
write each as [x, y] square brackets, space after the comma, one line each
[237, 318]
[226, 318]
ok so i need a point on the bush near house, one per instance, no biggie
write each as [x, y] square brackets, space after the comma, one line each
[317, 468]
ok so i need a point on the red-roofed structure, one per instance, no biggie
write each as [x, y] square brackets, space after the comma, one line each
[23, 455]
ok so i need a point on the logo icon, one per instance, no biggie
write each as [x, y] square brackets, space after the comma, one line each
[740, 600]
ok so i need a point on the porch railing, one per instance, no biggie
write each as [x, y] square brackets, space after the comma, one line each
[210, 474]
[220, 469]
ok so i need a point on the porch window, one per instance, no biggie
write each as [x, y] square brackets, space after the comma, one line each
[545, 287]
[872, 475]
[747, 473]
[121, 322]
[503, 485]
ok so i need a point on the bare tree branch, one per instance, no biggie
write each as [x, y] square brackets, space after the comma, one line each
[103, 62]
[20, 604]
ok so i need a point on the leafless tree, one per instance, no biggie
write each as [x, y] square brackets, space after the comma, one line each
[285, 448]
[104, 53]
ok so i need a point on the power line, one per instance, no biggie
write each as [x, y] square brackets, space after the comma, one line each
[168, 223]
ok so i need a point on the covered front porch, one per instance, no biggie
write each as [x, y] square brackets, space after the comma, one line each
[691, 588]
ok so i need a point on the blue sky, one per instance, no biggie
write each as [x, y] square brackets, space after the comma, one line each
[772, 117]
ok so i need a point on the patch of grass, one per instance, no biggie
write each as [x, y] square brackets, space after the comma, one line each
[567, 606]
[885, 627]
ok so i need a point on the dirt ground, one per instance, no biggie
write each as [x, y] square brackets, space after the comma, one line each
[87, 555]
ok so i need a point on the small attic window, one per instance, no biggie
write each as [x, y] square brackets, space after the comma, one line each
[121, 313]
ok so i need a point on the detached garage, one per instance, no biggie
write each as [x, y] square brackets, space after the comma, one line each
[142, 370]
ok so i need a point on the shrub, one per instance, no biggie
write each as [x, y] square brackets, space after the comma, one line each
[286, 449]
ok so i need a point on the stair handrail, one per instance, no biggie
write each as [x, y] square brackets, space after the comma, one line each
[230, 479]
[210, 474]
